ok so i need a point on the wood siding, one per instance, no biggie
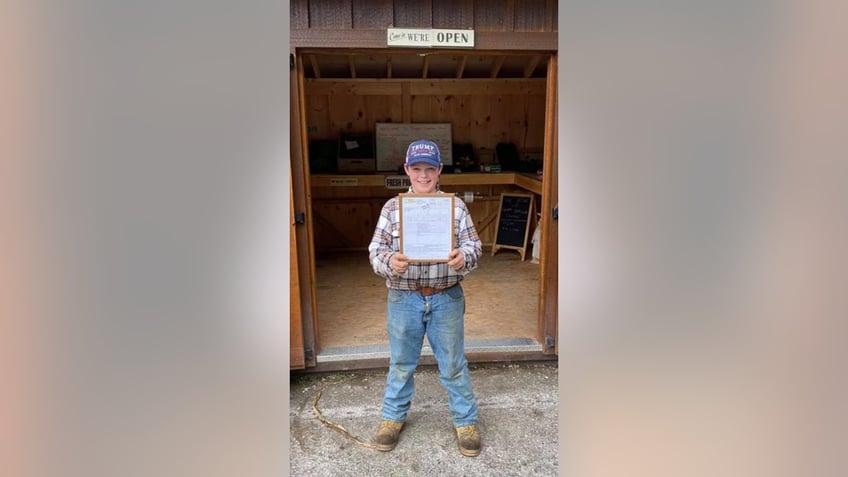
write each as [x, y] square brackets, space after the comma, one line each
[453, 13]
[498, 24]
[481, 15]
[482, 113]
[372, 14]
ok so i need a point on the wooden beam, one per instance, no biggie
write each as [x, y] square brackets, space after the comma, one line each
[496, 68]
[336, 51]
[425, 87]
[357, 87]
[297, 352]
[303, 203]
[548, 319]
[478, 87]
[461, 68]
[351, 66]
[531, 65]
[314, 62]
[486, 221]
[483, 40]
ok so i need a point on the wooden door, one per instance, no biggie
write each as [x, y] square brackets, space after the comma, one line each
[548, 299]
[297, 354]
[302, 249]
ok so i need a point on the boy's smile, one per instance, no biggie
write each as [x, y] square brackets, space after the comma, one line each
[423, 177]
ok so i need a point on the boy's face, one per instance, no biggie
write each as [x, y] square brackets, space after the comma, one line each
[423, 177]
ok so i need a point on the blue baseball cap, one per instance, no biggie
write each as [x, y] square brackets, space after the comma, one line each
[424, 151]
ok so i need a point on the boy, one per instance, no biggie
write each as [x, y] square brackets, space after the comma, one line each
[426, 298]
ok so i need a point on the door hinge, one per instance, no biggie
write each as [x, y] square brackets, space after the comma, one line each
[291, 60]
[309, 354]
[300, 218]
[555, 213]
[550, 342]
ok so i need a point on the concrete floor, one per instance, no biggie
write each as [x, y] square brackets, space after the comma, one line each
[518, 419]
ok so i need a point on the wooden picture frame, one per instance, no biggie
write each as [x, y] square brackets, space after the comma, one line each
[426, 226]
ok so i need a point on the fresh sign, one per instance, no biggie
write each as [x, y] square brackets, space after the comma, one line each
[397, 182]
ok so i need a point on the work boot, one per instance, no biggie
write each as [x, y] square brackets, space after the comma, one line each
[469, 440]
[387, 435]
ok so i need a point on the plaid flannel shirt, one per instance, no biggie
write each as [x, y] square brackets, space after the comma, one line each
[385, 243]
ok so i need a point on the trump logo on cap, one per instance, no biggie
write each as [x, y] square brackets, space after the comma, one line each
[424, 151]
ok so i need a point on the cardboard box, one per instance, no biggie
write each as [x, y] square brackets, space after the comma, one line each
[357, 166]
[356, 154]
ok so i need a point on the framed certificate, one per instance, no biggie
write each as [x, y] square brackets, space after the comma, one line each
[426, 226]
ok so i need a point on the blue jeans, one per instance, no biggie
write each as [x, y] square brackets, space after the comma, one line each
[441, 317]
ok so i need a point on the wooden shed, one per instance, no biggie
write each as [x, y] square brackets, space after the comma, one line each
[362, 70]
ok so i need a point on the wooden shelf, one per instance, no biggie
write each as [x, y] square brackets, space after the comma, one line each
[347, 180]
[525, 181]
[529, 182]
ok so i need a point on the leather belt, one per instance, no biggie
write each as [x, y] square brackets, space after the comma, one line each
[427, 291]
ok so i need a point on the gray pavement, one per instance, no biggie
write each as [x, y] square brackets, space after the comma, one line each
[518, 417]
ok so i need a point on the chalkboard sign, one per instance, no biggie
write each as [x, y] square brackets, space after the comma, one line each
[513, 224]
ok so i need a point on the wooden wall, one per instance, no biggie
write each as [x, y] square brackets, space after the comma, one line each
[344, 217]
[482, 15]
[482, 112]
[498, 24]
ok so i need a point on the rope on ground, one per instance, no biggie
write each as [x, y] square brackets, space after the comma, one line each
[336, 427]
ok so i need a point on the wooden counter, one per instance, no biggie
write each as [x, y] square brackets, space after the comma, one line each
[525, 181]
[345, 206]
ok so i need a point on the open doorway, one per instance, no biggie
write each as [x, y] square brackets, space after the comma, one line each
[489, 98]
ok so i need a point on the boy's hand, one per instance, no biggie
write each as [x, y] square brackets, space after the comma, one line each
[399, 263]
[456, 259]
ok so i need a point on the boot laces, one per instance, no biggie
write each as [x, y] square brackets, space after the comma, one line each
[389, 425]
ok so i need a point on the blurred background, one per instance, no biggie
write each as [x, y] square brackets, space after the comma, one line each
[144, 244]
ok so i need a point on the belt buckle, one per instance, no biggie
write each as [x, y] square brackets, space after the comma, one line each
[427, 291]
